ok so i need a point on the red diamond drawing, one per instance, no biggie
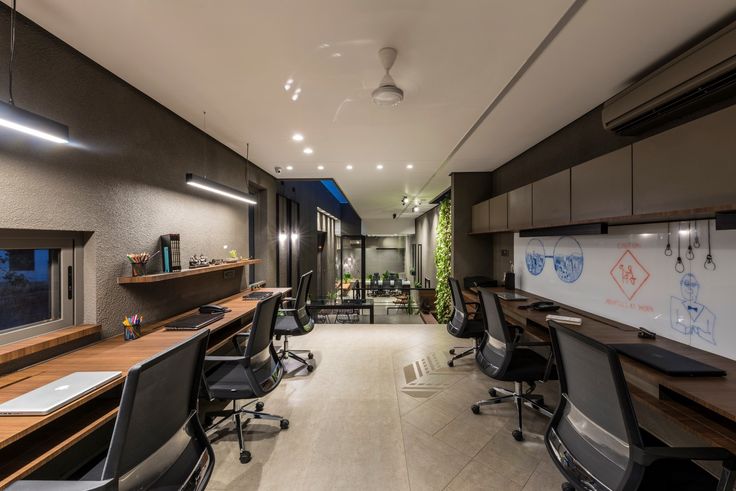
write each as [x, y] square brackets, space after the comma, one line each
[629, 274]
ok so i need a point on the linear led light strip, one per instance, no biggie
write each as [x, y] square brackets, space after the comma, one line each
[217, 188]
[29, 123]
[18, 119]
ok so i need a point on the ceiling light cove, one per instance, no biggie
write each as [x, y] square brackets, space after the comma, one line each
[297, 137]
[308, 150]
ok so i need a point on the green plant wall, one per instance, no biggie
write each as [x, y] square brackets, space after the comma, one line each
[442, 255]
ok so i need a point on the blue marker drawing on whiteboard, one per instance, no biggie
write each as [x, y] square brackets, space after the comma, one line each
[568, 259]
[688, 316]
[535, 257]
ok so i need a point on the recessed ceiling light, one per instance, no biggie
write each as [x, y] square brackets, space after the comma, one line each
[289, 167]
[409, 166]
[349, 167]
[308, 150]
[379, 166]
[336, 55]
[297, 137]
[405, 200]
[415, 209]
[324, 45]
[320, 167]
[295, 97]
[298, 90]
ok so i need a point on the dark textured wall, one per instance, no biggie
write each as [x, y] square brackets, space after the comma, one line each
[121, 180]
[471, 254]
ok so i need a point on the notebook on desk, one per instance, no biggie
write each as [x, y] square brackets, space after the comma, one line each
[668, 362]
[50, 397]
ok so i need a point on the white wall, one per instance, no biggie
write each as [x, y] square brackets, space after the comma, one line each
[626, 276]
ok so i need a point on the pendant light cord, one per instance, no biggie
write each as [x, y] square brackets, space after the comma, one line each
[12, 55]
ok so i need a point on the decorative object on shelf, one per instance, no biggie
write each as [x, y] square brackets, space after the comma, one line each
[171, 253]
[200, 261]
[215, 262]
[442, 255]
[18, 119]
[138, 262]
[232, 256]
[132, 327]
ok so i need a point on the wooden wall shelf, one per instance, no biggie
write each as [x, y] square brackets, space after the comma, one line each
[155, 278]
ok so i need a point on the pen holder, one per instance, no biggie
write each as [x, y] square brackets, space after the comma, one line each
[139, 269]
[132, 332]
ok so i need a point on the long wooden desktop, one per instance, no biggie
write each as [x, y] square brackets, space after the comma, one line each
[698, 411]
[29, 442]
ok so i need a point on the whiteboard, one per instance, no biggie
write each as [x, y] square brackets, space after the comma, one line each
[626, 276]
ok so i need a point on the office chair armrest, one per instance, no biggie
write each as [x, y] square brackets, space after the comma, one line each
[236, 341]
[107, 485]
[648, 455]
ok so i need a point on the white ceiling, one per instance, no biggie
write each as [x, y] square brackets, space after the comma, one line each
[232, 59]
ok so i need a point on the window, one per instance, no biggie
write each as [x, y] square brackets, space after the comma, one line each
[36, 286]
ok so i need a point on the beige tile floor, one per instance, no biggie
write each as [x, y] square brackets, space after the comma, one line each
[383, 411]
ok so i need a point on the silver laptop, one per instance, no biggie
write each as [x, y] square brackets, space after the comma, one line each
[52, 396]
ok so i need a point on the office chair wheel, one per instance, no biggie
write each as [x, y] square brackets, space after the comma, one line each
[284, 424]
[452, 351]
[518, 435]
[475, 408]
[310, 368]
[245, 457]
[492, 392]
[310, 356]
[450, 363]
[566, 486]
[259, 406]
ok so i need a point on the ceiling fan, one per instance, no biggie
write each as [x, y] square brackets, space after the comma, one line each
[387, 93]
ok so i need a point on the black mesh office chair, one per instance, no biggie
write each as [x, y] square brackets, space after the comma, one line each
[463, 325]
[505, 356]
[253, 373]
[594, 437]
[157, 441]
[296, 321]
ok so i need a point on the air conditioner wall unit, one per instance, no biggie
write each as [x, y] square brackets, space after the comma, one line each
[700, 77]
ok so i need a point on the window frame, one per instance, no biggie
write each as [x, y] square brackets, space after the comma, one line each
[66, 246]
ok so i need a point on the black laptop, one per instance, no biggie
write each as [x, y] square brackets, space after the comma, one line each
[193, 322]
[668, 362]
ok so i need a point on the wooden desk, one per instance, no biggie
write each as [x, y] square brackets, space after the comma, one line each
[698, 411]
[23, 448]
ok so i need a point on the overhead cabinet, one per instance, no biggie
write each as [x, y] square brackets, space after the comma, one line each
[551, 200]
[481, 217]
[601, 188]
[520, 208]
[499, 213]
[690, 166]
